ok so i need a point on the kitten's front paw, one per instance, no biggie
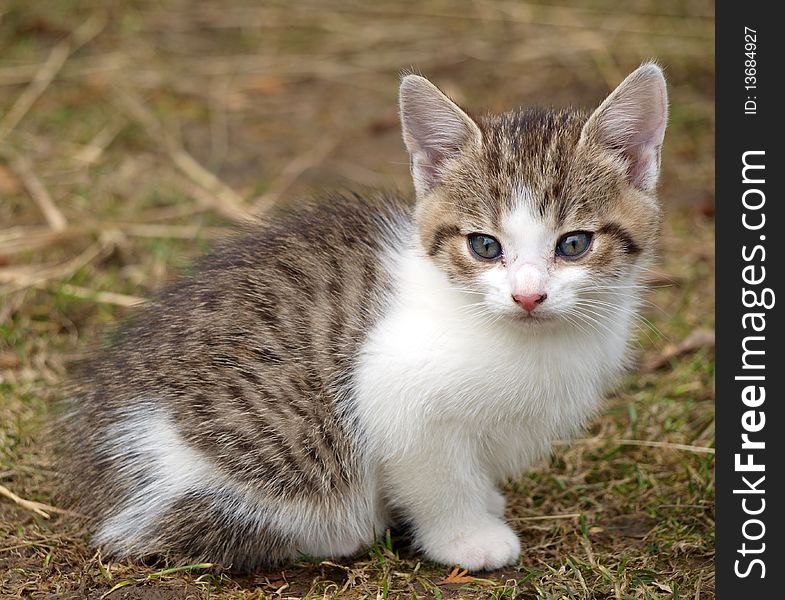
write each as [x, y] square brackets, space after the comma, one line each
[489, 546]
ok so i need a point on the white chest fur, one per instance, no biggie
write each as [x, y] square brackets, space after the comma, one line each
[437, 375]
[451, 402]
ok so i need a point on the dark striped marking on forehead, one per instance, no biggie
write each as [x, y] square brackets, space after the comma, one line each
[534, 148]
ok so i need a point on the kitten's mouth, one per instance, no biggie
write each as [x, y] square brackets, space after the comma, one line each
[533, 318]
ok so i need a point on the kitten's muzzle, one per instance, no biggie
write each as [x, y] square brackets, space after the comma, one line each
[529, 302]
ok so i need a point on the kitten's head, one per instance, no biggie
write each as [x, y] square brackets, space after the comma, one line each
[538, 214]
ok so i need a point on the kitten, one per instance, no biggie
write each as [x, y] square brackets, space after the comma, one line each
[361, 360]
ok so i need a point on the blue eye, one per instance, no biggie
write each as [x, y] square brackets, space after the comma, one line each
[573, 245]
[485, 246]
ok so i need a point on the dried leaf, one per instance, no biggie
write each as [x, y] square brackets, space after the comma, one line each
[458, 576]
[707, 207]
[595, 530]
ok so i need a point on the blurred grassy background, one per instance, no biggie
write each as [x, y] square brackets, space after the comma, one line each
[134, 133]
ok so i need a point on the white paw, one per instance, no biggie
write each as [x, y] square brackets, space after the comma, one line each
[489, 546]
[496, 503]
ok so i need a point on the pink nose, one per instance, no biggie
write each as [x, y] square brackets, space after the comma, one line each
[529, 301]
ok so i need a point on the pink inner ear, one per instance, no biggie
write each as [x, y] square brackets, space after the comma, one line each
[426, 163]
[432, 137]
[644, 165]
[632, 121]
[434, 129]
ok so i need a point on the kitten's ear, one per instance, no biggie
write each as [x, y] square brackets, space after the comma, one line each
[435, 129]
[631, 122]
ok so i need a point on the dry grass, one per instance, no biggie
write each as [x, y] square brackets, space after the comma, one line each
[132, 133]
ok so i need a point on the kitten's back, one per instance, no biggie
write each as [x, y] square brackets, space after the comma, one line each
[244, 367]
